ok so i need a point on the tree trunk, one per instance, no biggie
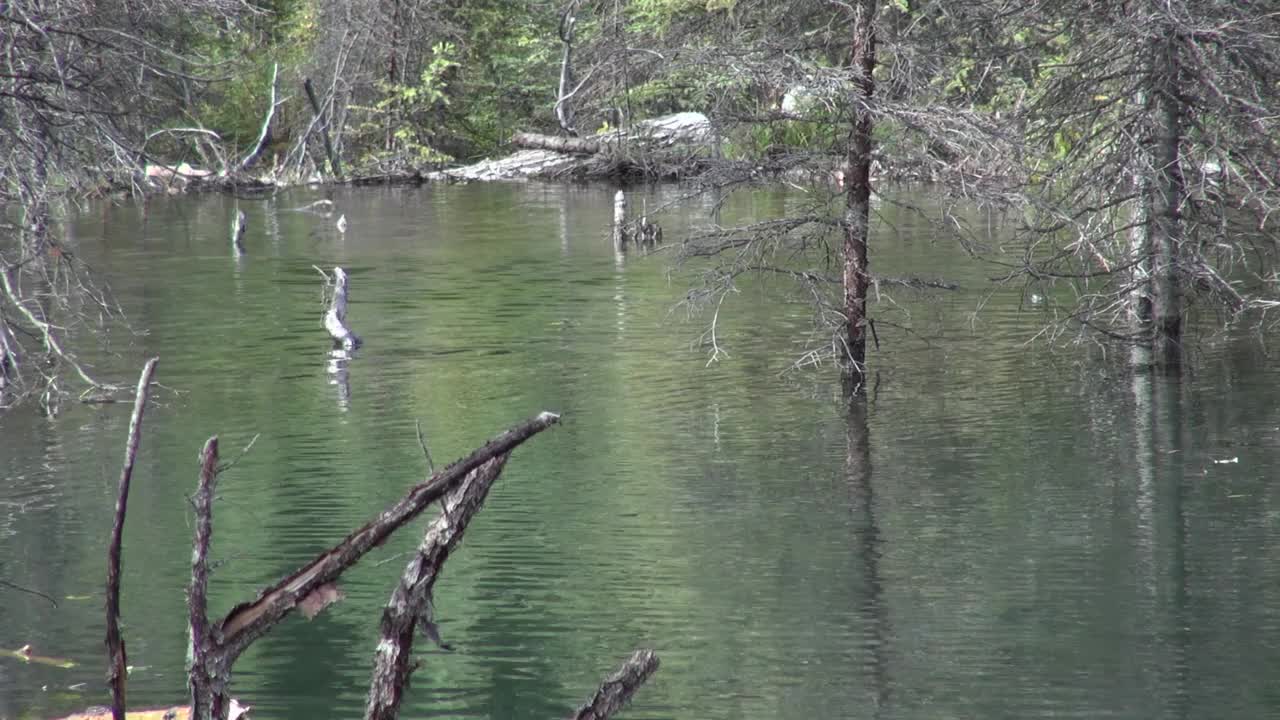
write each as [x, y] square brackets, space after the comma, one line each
[1140, 248]
[1168, 196]
[857, 216]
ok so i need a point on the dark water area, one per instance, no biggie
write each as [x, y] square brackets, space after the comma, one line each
[1003, 531]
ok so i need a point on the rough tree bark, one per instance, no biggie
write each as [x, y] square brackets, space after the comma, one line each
[117, 659]
[857, 217]
[224, 641]
[575, 145]
[410, 605]
[335, 319]
[618, 688]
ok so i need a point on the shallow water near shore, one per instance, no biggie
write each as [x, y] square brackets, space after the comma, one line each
[1004, 532]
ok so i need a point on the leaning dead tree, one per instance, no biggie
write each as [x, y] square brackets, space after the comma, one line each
[460, 488]
[117, 660]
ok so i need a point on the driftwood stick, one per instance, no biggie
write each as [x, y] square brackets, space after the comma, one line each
[334, 165]
[335, 320]
[410, 605]
[117, 660]
[208, 694]
[617, 689]
[265, 133]
[248, 621]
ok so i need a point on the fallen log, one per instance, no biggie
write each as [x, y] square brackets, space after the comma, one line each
[555, 143]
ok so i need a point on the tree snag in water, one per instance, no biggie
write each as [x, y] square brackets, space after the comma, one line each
[117, 660]
[216, 646]
[410, 606]
[207, 685]
[335, 320]
[238, 226]
[857, 216]
[618, 688]
[620, 220]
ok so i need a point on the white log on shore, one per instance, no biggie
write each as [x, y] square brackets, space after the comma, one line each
[335, 320]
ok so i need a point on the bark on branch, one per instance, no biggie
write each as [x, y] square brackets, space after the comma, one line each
[410, 606]
[335, 320]
[575, 145]
[617, 689]
[117, 661]
[204, 677]
[215, 647]
[248, 621]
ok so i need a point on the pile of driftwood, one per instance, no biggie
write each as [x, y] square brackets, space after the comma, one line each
[460, 489]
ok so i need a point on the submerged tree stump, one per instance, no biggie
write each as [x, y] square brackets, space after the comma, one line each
[238, 226]
[335, 320]
[620, 220]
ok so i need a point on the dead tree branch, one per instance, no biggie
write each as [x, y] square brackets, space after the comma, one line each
[225, 641]
[117, 661]
[335, 320]
[206, 683]
[617, 689]
[410, 606]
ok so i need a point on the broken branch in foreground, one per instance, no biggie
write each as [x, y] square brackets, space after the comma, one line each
[225, 641]
[617, 689]
[410, 605]
[117, 662]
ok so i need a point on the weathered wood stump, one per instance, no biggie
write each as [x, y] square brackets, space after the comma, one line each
[335, 320]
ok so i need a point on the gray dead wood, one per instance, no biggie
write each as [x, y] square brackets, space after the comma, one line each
[117, 659]
[238, 226]
[410, 607]
[224, 641]
[617, 689]
[335, 319]
[620, 220]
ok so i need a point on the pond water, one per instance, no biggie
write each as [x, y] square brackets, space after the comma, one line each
[1002, 531]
